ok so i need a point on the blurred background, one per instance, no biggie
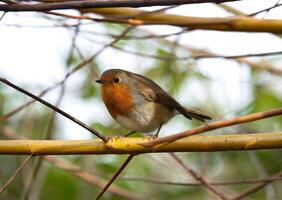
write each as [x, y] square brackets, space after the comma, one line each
[60, 58]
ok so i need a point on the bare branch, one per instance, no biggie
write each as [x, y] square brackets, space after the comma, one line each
[229, 182]
[99, 135]
[256, 187]
[15, 174]
[215, 125]
[100, 4]
[83, 175]
[237, 23]
[122, 167]
[121, 145]
[199, 178]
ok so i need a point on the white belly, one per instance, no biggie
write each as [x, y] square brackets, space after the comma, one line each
[146, 117]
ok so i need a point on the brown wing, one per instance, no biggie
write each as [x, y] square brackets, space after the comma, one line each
[153, 92]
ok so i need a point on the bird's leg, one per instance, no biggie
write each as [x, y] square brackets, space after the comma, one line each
[157, 133]
[130, 133]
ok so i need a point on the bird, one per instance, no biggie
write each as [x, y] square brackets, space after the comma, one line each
[139, 104]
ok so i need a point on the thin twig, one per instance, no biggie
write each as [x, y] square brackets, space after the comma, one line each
[99, 135]
[136, 37]
[15, 173]
[262, 173]
[214, 125]
[203, 53]
[266, 9]
[122, 167]
[232, 10]
[4, 13]
[238, 56]
[197, 56]
[78, 172]
[256, 187]
[199, 178]
[39, 162]
[229, 182]
[100, 4]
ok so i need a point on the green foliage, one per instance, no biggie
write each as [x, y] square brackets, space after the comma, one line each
[114, 28]
[265, 99]
[169, 73]
[59, 185]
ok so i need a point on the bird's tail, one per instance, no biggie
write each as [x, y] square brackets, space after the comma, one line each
[197, 114]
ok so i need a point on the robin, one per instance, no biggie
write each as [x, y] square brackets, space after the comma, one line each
[138, 103]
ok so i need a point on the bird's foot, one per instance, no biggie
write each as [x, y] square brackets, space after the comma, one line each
[150, 137]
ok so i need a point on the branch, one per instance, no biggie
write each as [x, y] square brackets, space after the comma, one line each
[228, 182]
[114, 177]
[99, 4]
[261, 65]
[256, 187]
[238, 23]
[58, 110]
[15, 173]
[199, 178]
[215, 125]
[80, 173]
[122, 145]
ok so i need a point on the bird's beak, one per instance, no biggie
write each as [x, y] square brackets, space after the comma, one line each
[99, 81]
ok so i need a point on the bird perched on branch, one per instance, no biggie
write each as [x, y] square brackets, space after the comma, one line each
[138, 103]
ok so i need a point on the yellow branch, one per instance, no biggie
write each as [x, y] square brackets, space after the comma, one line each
[132, 145]
[238, 23]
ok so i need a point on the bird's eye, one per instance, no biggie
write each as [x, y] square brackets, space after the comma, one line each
[116, 79]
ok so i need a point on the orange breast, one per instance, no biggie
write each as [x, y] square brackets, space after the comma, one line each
[117, 99]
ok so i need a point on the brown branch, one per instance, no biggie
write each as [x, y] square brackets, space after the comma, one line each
[259, 167]
[232, 10]
[198, 53]
[238, 23]
[95, 19]
[76, 171]
[229, 182]
[100, 4]
[2, 16]
[18, 109]
[15, 173]
[199, 178]
[99, 135]
[214, 125]
[89, 178]
[256, 187]
[205, 54]
[261, 65]
[238, 56]
[122, 167]
[266, 9]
